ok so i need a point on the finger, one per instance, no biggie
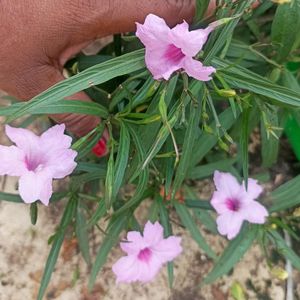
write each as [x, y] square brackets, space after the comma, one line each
[102, 18]
[39, 79]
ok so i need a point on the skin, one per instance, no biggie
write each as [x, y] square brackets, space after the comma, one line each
[39, 36]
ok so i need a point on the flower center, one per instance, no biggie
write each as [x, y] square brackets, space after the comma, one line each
[34, 164]
[233, 204]
[145, 255]
[174, 54]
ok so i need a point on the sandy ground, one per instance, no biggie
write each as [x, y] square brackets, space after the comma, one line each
[24, 249]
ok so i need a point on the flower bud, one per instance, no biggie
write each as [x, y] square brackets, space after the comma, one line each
[208, 129]
[279, 273]
[223, 145]
[296, 212]
[227, 93]
[100, 149]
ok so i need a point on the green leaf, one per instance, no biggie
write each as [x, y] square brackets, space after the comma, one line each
[241, 78]
[10, 197]
[95, 75]
[82, 234]
[78, 181]
[201, 8]
[237, 291]
[91, 168]
[245, 132]
[285, 250]
[162, 107]
[146, 92]
[162, 136]
[59, 107]
[207, 170]
[206, 219]
[269, 143]
[17, 199]
[188, 143]
[141, 154]
[201, 210]
[207, 141]
[122, 91]
[121, 160]
[98, 214]
[165, 222]
[192, 227]
[109, 241]
[85, 144]
[286, 196]
[33, 213]
[139, 194]
[109, 180]
[221, 36]
[233, 253]
[285, 28]
[57, 243]
[201, 204]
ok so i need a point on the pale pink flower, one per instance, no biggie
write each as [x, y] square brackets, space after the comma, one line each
[145, 254]
[235, 204]
[168, 50]
[37, 160]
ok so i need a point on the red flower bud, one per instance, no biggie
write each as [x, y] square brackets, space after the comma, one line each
[100, 148]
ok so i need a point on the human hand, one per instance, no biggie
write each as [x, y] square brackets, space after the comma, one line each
[39, 36]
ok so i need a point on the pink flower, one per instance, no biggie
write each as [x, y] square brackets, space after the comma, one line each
[37, 160]
[145, 254]
[235, 204]
[168, 50]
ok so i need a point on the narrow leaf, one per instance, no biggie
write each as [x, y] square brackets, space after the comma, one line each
[192, 227]
[233, 253]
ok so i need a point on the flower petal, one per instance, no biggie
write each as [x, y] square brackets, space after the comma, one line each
[35, 186]
[60, 162]
[154, 32]
[190, 42]
[195, 68]
[158, 65]
[130, 268]
[134, 244]
[227, 184]
[254, 189]
[127, 269]
[153, 233]
[230, 224]
[255, 212]
[23, 138]
[58, 158]
[218, 201]
[168, 249]
[12, 161]
[54, 138]
[149, 270]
